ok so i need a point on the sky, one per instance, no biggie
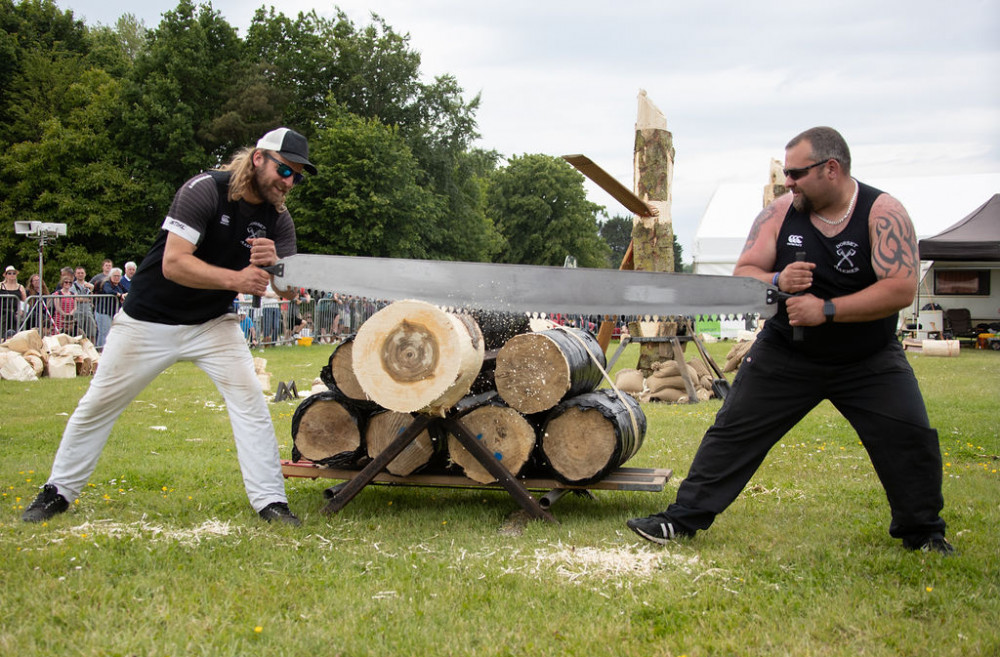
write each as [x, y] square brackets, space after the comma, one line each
[913, 85]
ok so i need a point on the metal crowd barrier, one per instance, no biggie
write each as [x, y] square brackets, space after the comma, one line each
[282, 322]
[84, 314]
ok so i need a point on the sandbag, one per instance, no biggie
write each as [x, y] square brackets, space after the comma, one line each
[630, 381]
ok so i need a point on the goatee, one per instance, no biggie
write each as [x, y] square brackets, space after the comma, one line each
[802, 203]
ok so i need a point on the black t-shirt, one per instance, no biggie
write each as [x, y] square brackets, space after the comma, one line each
[843, 266]
[201, 214]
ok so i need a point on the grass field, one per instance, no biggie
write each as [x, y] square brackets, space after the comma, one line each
[163, 555]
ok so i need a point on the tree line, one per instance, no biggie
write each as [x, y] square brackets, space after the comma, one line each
[99, 125]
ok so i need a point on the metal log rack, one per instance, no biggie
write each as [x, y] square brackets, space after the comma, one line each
[339, 496]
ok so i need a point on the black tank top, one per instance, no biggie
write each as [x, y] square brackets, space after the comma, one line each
[843, 266]
[153, 298]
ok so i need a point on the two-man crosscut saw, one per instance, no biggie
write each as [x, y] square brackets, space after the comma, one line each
[528, 288]
[531, 288]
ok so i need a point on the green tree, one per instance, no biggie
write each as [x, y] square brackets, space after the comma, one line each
[617, 232]
[175, 92]
[72, 174]
[365, 199]
[35, 34]
[539, 205]
[324, 67]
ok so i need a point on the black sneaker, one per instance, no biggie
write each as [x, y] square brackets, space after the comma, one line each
[656, 528]
[278, 512]
[933, 543]
[48, 503]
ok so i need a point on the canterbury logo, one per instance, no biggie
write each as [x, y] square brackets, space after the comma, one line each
[795, 240]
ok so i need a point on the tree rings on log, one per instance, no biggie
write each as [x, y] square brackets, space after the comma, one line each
[586, 437]
[412, 356]
[503, 431]
[385, 426]
[326, 429]
[535, 371]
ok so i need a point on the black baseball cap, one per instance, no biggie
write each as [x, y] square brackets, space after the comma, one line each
[290, 145]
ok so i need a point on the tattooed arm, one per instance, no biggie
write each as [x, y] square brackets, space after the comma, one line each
[761, 250]
[895, 260]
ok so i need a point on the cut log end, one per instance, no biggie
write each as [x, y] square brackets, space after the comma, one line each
[503, 431]
[413, 357]
[326, 428]
[385, 427]
[532, 374]
[579, 443]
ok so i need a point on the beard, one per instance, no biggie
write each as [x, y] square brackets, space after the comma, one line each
[802, 203]
[270, 193]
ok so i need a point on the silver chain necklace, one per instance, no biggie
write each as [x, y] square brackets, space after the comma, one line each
[850, 209]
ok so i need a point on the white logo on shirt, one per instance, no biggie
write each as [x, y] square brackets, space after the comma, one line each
[847, 250]
[224, 220]
[794, 240]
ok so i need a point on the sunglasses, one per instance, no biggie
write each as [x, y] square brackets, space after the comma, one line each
[795, 174]
[284, 170]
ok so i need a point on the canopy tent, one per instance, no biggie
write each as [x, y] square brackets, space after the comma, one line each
[968, 250]
[974, 238]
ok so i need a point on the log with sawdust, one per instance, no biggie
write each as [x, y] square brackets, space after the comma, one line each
[536, 371]
[327, 429]
[385, 426]
[586, 437]
[503, 431]
[412, 356]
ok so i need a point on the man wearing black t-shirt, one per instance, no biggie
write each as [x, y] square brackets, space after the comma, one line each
[835, 340]
[212, 246]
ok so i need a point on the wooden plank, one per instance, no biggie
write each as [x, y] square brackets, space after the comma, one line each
[610, 184]
[631, 479]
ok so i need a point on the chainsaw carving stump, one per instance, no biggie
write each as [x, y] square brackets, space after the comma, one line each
[504, 432]
[413, 357]
[653, 237]
[535, 371]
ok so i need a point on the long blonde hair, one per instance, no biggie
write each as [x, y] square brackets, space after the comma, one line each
[243, 175]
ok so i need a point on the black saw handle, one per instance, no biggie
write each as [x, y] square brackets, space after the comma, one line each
[799, 332]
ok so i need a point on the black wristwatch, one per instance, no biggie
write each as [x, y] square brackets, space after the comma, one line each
[829, 310]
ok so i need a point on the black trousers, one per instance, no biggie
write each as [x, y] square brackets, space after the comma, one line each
[774, 389]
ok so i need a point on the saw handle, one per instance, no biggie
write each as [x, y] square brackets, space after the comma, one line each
[799, 332]
[255, 235]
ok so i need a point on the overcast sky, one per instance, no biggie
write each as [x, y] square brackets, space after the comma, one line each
[914, 85]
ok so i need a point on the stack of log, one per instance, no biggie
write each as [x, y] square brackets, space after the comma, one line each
[26, 356]
[530, 397]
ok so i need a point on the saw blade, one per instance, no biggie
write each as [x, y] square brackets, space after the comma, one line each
[526, 288]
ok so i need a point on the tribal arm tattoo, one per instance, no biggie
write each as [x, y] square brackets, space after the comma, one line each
[894, 244]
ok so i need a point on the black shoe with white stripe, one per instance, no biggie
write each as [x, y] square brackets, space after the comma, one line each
[48, 503]
[657, 528]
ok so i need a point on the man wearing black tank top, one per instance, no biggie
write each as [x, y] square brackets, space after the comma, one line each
[849, 253]
[222, 228]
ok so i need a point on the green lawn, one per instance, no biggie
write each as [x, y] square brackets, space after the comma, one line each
[163, 555]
